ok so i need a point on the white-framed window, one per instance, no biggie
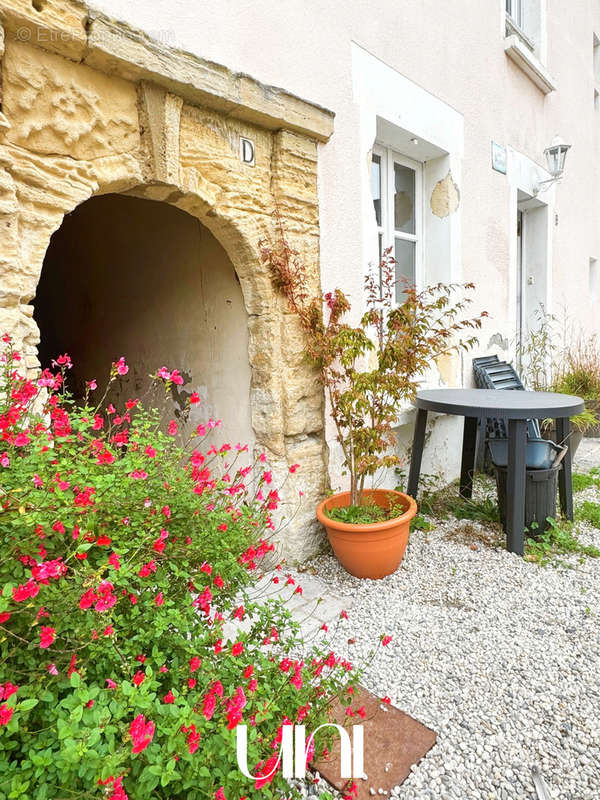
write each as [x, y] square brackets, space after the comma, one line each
[514, 9]
[397, 189]
[524, 19]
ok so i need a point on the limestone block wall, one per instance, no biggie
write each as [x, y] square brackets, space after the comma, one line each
[90, 107]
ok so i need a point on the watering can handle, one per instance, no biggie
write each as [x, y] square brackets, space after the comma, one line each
[560, 456]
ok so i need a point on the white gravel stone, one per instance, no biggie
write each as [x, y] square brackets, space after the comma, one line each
[501, 657]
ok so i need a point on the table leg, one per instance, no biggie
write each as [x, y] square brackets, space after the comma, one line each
[469, 451]
[417, 452]
[565, 477]
[515, 485]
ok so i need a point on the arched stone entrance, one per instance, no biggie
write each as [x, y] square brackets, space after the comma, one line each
[114, 117]
[142, 279]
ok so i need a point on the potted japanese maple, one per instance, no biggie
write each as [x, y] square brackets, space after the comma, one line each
[368, 371]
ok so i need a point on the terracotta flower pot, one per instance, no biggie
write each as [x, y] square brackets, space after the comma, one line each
[373, 550]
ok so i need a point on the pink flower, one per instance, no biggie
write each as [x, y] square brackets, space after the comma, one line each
[208, 705]
[62, 361]
[47, 636]
[150, 451]
[121, 367]
[194, 397]
[293, 468]
[5, 714]
[385, 640]
[113, 560]
[195, 663]
[141, 731]
[52, 669]
[159, 599]
[237, 649]
[220, 794]
[8, 690]
[92, 384]
[173, 428]
[110, 684]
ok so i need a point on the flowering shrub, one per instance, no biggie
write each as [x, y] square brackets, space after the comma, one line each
[123, 555]
[368, 370]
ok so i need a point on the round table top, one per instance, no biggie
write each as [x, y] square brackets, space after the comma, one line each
[509, 404]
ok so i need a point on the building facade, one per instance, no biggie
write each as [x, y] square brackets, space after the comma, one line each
[144, 145]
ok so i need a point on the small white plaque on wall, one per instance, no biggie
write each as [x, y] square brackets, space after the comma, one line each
[499, 158]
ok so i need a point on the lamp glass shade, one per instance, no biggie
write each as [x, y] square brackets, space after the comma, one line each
[555, 157]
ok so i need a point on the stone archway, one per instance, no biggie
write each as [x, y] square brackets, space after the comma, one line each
[113, 117]
[142, 279]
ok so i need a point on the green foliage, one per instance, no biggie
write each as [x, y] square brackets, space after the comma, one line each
[551, 359]
[366, 513]
[560, 538]
[122, 557]
[421, 523]
[368, 370]
[589, 512]
[582, 480]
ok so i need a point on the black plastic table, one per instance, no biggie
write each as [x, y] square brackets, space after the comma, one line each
[516, 407]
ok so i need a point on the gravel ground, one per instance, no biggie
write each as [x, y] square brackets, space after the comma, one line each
[498, 655]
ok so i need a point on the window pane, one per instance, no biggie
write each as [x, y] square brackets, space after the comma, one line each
[376, 186]
[405, 266]
[404, 199]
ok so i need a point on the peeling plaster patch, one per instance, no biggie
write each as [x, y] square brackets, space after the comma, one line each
[447, 365]
[498, 340]
[445, 197]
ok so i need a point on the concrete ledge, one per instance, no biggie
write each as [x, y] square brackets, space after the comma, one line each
[531, 66]
[115, 48]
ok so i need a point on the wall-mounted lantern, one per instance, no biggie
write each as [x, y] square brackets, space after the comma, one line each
[555, 160]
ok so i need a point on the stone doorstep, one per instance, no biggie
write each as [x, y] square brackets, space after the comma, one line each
[393, 743]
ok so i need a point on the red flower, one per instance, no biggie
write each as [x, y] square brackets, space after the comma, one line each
[159, 599]
[147, 569]
[208, 705]
[220, 794]
[386, 640]
[169, 697]
[248, 672]
[8, 690]
[141, 731]
[47, 636]
[237, 649]
[25, 591]
[193, 737]
[195, 663]
[343, 615]
[293, 468]
[5, 714]
[387, 700]
[139, 677]
[194, 397]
